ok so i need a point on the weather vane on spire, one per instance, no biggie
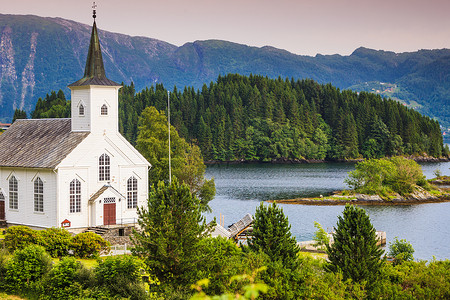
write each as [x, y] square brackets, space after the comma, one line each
[94, 6]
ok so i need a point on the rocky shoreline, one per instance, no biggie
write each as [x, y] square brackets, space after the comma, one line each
[418, 197]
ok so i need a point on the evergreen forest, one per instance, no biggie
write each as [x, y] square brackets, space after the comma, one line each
[255, 118]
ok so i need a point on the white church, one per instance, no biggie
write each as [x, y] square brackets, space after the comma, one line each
[78, 172]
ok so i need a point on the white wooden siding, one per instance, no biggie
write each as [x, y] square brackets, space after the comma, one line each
[25, 213]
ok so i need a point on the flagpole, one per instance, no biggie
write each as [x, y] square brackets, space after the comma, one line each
[168, 125]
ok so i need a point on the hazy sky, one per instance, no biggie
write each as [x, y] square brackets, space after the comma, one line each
[299, 26]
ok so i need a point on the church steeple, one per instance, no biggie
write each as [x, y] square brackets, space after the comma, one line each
[95, 98]
[94, 72]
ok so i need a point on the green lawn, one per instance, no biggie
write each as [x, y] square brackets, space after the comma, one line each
[9, 297]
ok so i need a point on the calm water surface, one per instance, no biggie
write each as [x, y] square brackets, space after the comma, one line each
[240, 189]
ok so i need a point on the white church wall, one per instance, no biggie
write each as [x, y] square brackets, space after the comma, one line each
[81, 122]
[26, 214]
[104, 95]
[66, 176]
[124, 163]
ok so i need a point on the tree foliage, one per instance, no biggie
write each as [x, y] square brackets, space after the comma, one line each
[88, 244]
[54, 105]
[272, 235]
[354, 251]
[19, 237]
[171, 229]
[27, 266]
[186, 159]
[401, 250]
[383, 176]
[255, 118]
[19, 114]
[320, 237]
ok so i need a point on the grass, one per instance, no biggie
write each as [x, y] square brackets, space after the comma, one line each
[312, 255]
[9, 297]
[87, 262]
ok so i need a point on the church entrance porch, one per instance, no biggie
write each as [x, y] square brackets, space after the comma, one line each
[109, 211]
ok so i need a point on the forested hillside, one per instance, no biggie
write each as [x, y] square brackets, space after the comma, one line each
[260, 119]
[254, 118]
[38, 55]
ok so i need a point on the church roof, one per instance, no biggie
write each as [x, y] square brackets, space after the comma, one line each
[40, 143]
[94, 73]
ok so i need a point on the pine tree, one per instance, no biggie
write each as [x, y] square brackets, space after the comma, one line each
[170, 235]
[355, 252]
[19, 114]
[272, 235]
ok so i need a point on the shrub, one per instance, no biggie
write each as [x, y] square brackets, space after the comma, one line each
[401, 251]
[26, 267]
[19, 237]
[3, 264]
[121, 276]
[88, 244]
[382, 176]
[56, 241]
[62, 282]
[320, 237]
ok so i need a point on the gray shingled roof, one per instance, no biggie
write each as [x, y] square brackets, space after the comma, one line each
[38, 143]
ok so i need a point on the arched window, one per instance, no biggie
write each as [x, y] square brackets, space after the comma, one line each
[81, 110]
[103, 167]
[13, 193]
[75, 196]
[132, 192]
[104, 110]
[38, 195]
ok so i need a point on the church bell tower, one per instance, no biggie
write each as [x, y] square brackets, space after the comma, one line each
[94, 98]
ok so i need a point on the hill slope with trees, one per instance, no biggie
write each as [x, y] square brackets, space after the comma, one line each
[254, 118]
[42, 54]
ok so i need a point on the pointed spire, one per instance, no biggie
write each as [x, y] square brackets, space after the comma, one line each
[94, 61]
[94, 73]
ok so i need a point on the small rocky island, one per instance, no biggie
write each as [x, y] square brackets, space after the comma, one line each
[387, 181]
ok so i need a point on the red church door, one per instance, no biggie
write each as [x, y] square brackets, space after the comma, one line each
[109, 211]
[2, 206]
[2, 209]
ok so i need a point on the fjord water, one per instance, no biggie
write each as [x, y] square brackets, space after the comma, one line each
[241, 187]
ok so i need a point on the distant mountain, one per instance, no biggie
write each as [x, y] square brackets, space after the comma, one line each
[39, 54]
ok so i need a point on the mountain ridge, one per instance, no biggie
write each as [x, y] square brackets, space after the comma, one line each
[40, 54]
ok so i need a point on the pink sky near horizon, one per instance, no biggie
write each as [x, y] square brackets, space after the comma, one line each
[301, 27]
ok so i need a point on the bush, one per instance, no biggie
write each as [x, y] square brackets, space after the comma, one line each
[401, 251]
[19, 237]
[62, 282]
[3, 264]
[320, 237]
[88, 244]
[383, 176]
[56, 241]
[121, 276]
[26, 267]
